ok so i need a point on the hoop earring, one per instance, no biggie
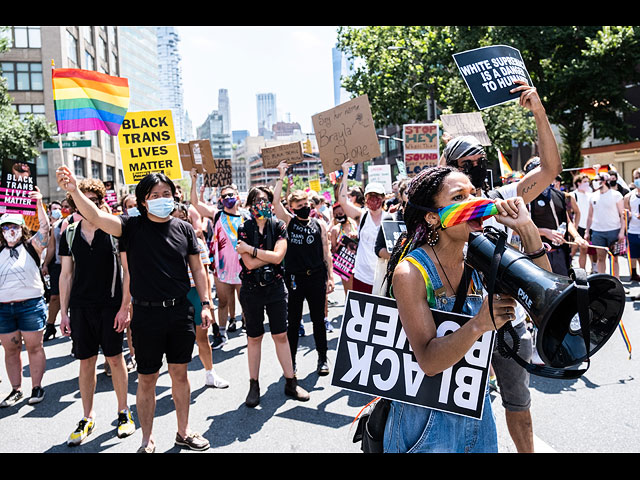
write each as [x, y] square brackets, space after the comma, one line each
[432, 237]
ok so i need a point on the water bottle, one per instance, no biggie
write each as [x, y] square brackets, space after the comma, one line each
[561, 230]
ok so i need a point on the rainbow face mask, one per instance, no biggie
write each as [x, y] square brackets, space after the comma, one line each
[456, 213]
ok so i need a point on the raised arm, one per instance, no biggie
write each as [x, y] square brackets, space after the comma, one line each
[281, 212]
[349, 208]
[41, 238]
[104, 221]
[202, 208]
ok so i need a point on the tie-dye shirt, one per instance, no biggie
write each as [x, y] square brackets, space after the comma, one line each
[226, 259]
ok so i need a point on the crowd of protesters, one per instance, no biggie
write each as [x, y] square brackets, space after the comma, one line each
[153, 276]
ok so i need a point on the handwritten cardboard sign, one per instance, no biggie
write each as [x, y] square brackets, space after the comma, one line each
[289, 152]
[346, 132]
[148, 144]
[223, 174]
[197, 154]
[458, 124]
[421, 146]
[489, 73]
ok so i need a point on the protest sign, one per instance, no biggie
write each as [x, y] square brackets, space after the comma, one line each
[184, 150]
[421, 146]
[392, 231]
[289, 152]
[147, 144]
[374, 357]
[222, 176]
[18, 180]
[346, 132]
[111, 197]
[380, 174]
[345, 257]
[314, 185]
[202, 156]
[489, 73]
[458, 124]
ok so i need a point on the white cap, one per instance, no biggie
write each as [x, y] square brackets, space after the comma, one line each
[375, 187]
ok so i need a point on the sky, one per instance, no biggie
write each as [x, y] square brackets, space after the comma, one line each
[292, 62]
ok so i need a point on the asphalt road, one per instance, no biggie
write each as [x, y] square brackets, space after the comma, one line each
[595, 413]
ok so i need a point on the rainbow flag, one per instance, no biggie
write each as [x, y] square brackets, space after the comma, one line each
[505, 168]
[461, 212]
[85, 100]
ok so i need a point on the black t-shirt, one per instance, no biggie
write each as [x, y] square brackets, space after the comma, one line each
[157, 255]
[304, 246]
[249, 233]
[542, 215]
[94, 270]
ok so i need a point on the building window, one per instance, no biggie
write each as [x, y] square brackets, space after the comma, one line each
[88, 34]
[25, 109]
[111, 174]
[42, 165]
[114, 64]
[90, 63]
[96, 170]
[72, 48]
[102, 49]
[25, 37]
[22, 76]
[78, 167]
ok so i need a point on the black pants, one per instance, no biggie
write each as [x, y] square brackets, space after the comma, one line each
[313, 289]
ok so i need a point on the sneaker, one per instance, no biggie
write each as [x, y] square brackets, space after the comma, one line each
[323, 367]
[125, 424]
[131, 363]
[493, 383]
[231, 326]
[218, 341]
[327, 325]
[148, 448]
[37, 395]
[213, 380]
[84, 429]
[14, 397]
[107, 369]
[195, 441]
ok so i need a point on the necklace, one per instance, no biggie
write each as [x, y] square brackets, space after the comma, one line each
[443, 270]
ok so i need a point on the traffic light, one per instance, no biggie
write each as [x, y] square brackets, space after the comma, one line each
[307, 146]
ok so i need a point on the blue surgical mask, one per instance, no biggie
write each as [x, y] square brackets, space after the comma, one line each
[636, 182]
[161, 207]
[56, 214]
[133, 212]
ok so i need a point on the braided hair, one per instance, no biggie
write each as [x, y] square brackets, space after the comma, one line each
[421, 191]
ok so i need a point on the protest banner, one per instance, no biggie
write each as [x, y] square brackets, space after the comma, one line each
[489, 73]
[380, 174]
[457, 124]
[421, 146]
[344, 258]
[374, 357]
[148, 144]
[18, 180]
[202, 156]
[111, 197]
[392, 231]
[223, 174]
[184, 150]
[346, 132]
[314, 184]
[289, 152]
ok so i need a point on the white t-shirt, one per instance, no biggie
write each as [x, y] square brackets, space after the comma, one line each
[634, 222]
[605, 211]
[366, 258]
[19, 277]
[582, 199]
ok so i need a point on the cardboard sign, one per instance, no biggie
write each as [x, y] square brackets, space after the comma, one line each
[223, 174]
[380, 174]
[421, 144]
[374, 357]
[346, 132]
[289, 152]
[148, 144]
[184, 150]
[489, 73]
[458, 124]
[345, 257]
[18, 180]
[392, 231]
[202, 156]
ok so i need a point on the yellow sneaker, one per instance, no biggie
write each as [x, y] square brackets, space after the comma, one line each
[125, 424]
[84, 429]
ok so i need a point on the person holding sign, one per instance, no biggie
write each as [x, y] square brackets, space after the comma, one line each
[23, 311]
[158, 248]
[425, 272]
[308, 268]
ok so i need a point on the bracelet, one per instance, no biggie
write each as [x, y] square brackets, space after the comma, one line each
[255, 252]
[537, 254]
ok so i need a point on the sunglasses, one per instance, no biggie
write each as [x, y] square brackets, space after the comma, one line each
[11, 226]
[227, 195]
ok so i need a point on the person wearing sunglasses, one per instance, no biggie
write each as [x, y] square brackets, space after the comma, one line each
[467, 154]
[23, 310]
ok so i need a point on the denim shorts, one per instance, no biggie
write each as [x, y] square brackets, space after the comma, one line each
[634, 245]
[26, 316]
[604, 239]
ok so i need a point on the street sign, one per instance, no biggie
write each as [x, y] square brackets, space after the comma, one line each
[66, 144]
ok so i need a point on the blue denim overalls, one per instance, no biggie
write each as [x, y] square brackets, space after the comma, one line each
[415, 429]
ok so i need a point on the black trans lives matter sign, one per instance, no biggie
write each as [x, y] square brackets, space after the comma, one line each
[374, 357]
[489, 72]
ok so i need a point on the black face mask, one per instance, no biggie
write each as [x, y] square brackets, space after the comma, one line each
[341, 218]
[302, 212]
[477, 174]
[612, 183]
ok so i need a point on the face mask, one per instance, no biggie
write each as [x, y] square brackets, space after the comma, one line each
[636, 182]
[596, 185]
[341, 218]
[262, 209]
[612, 183]
[12, 235]
[374, 203]
[456, 213]
[133, 212]
[229, 202]
[583, 187]
[56, 214]
[302, 212]
[161, 207]
[477, 174]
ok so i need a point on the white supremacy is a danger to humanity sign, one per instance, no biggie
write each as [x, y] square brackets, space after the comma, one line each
[374, 357]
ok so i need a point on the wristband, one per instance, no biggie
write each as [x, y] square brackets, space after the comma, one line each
[255, 252]
[538, 253]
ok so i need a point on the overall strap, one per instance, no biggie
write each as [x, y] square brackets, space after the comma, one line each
[427, 268]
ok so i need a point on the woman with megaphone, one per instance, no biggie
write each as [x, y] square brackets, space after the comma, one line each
[425, 271]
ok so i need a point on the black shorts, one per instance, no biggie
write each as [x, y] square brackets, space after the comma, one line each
[160, 331]
[92, 329]
[54, 277]
[273, 299]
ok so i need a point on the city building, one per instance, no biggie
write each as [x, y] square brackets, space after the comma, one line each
[213, 130]
[238, 136]
[342, 67]
[27, 68]
[170, 75]
[139, 64]
[267, 113]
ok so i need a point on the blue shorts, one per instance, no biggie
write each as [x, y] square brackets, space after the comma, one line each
[604, 239]
[26, 316]
[634, 245]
